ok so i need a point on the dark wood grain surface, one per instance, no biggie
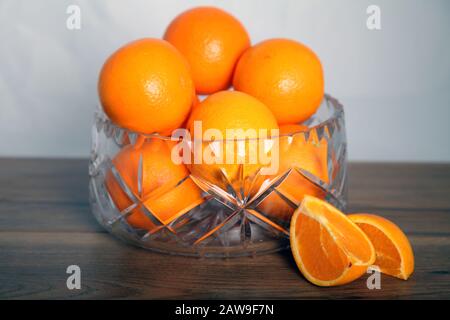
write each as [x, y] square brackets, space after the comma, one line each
[46, 225]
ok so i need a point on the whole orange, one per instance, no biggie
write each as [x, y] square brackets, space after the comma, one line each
[195, 103]
[285, 75]
[164, 190]
[212, 41]
[146, 86]
[239, 121]
[296, 152]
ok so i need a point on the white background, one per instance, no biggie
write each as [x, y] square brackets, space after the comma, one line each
[394, 83]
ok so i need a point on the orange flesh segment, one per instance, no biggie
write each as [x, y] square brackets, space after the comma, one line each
[323, 258]
[346, 234]
[388, 257]
[328, 247]
[393, 250]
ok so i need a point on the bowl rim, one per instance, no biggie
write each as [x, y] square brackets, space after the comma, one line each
[328, 100]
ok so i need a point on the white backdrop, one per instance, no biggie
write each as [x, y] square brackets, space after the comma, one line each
[393, 82]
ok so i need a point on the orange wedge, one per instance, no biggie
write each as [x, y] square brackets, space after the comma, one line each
[328, 247]
[394, 253]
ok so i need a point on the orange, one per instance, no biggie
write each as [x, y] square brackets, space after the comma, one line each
[146, 86]
[296, 153]
[212, 41]
[231, 111]
[328, 247]
[394, 253]
[195, 103]
[165, 188]
[285, 75]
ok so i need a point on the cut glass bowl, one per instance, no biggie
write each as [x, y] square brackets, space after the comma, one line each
[236, 212]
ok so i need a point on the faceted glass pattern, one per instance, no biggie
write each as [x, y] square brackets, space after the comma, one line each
[237, 211]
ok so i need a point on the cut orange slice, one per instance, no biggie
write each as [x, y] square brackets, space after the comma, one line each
[393, 251]
[328, 247]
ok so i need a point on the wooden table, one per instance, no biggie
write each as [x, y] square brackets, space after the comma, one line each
[46, 225]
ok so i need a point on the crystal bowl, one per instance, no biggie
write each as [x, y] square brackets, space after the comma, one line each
[238, 213]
